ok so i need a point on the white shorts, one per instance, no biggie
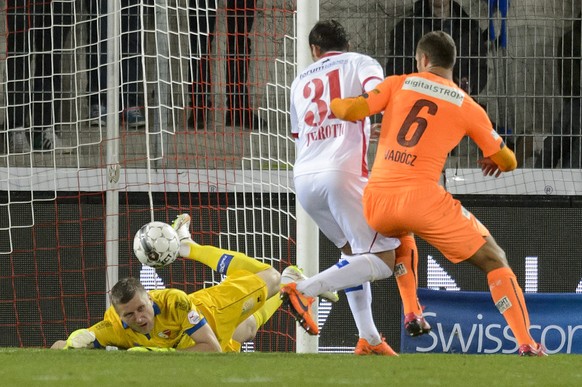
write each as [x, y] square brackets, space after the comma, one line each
[333, 199]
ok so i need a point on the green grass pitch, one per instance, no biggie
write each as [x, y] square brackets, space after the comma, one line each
[44, 367]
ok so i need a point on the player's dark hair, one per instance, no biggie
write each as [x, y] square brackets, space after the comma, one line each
[124, 290]
[439, 47]
[329, 35]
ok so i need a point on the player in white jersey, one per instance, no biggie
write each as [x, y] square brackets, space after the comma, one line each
[331, 167]
[325, 143]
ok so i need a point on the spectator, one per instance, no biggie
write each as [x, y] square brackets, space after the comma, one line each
[240, 15]
[470, 71]
[564, 143]
[36, 32]
[131, 69]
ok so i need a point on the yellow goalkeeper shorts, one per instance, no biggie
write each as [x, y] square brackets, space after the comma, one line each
[229, 303]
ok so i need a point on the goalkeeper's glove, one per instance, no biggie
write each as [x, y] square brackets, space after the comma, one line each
[81, 338]
[150, 349]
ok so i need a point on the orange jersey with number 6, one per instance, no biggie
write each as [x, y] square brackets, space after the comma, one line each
[425, 117]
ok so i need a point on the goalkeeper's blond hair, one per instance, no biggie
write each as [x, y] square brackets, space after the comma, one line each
[124, 291]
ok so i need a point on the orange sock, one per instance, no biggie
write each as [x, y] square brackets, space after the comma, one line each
[508, 298]
[405, 271]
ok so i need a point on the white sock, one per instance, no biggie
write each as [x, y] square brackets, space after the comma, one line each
[349, 272]
[360, 301]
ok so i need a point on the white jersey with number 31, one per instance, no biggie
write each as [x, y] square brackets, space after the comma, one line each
[323, 142]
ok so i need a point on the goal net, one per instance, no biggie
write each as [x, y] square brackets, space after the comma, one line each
[116, 113]
[119, 113]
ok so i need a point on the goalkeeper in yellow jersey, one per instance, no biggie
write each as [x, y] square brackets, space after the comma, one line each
[215, 319]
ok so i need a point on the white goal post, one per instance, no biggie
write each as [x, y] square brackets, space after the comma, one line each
[307, 230]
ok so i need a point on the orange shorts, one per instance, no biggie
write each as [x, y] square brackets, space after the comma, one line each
[429, 212]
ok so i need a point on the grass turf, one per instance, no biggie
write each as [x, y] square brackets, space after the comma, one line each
[36, 367]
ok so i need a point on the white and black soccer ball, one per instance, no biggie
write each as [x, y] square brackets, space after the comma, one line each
[156, 244]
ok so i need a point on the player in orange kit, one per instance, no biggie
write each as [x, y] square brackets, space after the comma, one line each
[425, 116]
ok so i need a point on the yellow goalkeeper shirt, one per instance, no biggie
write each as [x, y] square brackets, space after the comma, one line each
[175, 319]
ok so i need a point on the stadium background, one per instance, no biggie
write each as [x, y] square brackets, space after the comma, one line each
[53, 267]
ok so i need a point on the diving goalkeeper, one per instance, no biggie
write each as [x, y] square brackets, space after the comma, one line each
[215, 319]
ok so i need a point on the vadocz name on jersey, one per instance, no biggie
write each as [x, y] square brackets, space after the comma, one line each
[399, 157]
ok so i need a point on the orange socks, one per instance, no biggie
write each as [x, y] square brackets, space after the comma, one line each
[405, 271]
[509, 300]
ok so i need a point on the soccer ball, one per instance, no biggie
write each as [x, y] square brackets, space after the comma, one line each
[156, 244]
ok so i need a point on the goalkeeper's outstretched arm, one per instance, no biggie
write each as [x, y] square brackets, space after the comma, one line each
[79, 339]
[59, 344]
[205, 339]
